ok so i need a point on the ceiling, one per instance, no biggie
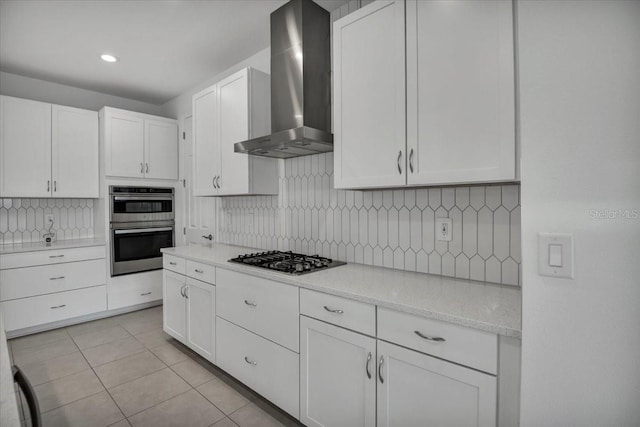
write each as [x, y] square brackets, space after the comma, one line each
[164, 47]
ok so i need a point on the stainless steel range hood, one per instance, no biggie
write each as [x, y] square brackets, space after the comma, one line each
[300, 84]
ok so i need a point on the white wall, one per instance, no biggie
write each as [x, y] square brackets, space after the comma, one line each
[580, 116]
[55, 93]
[180, 106]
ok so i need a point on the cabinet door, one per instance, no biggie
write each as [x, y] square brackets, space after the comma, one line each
[25, 148]
[369, 94]
[124, 146]
[161, 149]
[201, 305]
[460, 107]
[419, 390]
[74, 143]
[205, 142]
[234, 127]
[337, 376]
[174, 315]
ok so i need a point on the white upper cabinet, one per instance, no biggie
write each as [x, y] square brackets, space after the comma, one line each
[205, 147]
[458, 126]
[47, 151]
[369, 97]
[74, 145]
[460, 91]
[139, 145]
[233, 110]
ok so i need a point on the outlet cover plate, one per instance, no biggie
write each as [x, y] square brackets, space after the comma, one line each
[444, 231]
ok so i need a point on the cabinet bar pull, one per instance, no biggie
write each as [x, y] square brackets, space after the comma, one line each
[333, 311]
[411, 160]
[48, 186]
[147, 165]
[55, 185]
[186, 291]
[182, 291]
[399, 157]
[252, 304]
[213, 182]
[56, 278]
[426, 337]
[173, 263]
[380, 369]
[218, 181]
[250, 362]
[199, 271]
[367, 365]
[58, 306]
[146, 293]
[56, 256]
[141, 168]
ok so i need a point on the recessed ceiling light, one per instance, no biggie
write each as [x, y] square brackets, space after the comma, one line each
[108, 58]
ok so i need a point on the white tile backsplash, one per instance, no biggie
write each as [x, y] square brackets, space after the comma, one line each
[392, 228]
[22, 220]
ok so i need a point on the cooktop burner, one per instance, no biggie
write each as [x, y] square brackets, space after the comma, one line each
[287, 262]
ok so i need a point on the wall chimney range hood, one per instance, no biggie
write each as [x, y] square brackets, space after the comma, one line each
[300, 84]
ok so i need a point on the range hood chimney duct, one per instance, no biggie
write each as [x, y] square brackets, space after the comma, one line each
[300, 84]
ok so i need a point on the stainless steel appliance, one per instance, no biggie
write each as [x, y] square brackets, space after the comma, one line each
[287, 262]
[300, 84]
[142, 221]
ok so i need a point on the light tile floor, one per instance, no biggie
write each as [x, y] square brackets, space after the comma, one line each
[125, 371]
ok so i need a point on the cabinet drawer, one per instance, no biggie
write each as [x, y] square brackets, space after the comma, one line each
[46, 279]
[39, 310]
[133, 289]
[200, 271]
[271, 370]
[350, 314]
[173, 263]
[55, 256]
[268, 308]
[465, 346]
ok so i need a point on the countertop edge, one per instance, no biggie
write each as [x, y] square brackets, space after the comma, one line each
[16, 248]
[299, 281]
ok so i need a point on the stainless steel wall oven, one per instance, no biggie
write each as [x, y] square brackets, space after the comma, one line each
[142, 221]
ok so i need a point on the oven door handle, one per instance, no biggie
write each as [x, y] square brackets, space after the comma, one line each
[142, 198]
[142, 230]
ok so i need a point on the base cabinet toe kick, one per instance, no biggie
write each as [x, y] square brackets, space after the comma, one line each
[327, 360]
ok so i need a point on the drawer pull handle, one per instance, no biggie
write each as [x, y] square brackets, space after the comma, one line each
[58, 306]
[426, 337]
[146, 293]
[199, 271]
[252, 304]
[333, 311]
[380, 369]
[367, 365]
[56, 278]
[250, 362]
[173, 263]
[56, 256]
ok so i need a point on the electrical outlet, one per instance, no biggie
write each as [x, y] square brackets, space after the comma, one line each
[48, 218]
[444, 230]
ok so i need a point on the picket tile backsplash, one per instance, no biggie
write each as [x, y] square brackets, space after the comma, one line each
[390, 228]
[23, 220]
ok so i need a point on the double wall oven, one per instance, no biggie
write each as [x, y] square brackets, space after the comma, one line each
[142, 221]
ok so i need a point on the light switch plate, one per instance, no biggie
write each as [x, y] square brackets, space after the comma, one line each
[555, 255]
[444, 230]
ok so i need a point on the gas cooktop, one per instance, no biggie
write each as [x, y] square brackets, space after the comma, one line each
[287, 262]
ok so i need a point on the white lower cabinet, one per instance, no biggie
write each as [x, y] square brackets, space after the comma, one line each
[419, 390]
[337, 376]
[189, 312]
[266, 367]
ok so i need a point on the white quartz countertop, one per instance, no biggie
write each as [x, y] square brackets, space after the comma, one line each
[41, 246]
[479, 305]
